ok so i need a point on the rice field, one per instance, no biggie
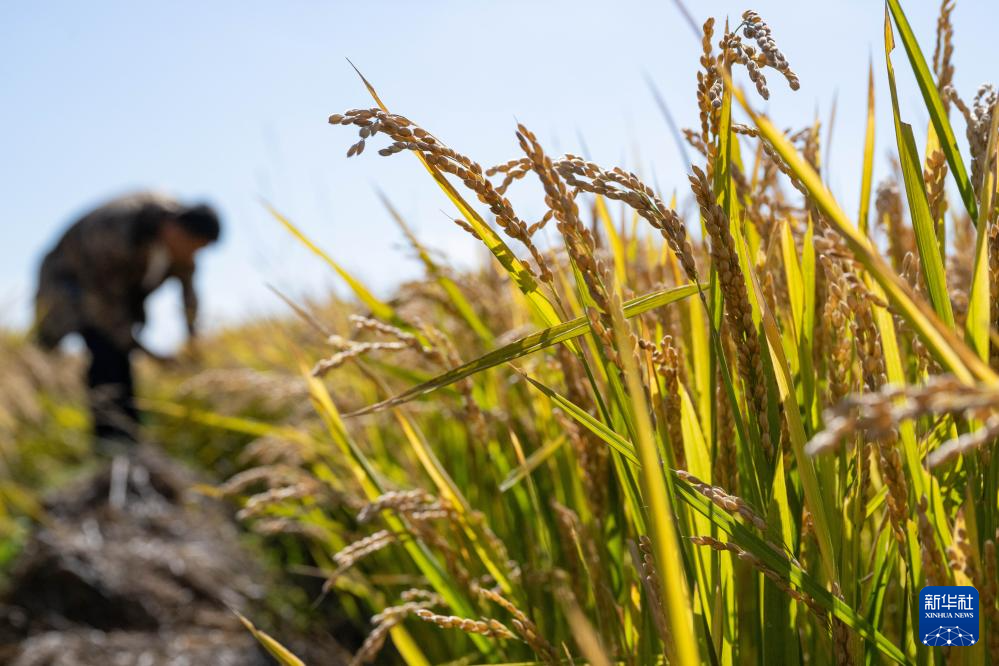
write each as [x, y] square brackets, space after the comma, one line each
[748, 434]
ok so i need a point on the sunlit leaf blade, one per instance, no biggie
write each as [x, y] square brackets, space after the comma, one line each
[529, 345]
[748, 540]
[282, 654]
[923, 224]
[867, 171]
[533, 461]
[659, 505]
[795, 282]
[795, 429]
[240, 424]
[458, 299]
[808, 329]
[408, 647]
[978, 324]
[370, 482]
[617, 246]
[934, 105]
[448, 489]
[949, 350]
[618, 443]
[378, 308]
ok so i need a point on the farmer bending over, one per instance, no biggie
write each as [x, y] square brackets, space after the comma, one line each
[95, 283]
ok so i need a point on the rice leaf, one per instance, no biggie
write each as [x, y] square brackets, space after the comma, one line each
[749, 541]
[369, 481]
[934, 105]
[378, 308]
[930, 253]
[674, 594]
[528, 345]
[867, 171]
[978, 325]
[814, 498]
[598, 428]
[282, 654]
[240, 424]
[808, 373]
[617, 246]
[795, 281]
[458, 299]
[448, 489]
[531, 463]
[741, 534]
[948, 349]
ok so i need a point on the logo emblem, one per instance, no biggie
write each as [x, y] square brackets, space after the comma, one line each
[948, 615]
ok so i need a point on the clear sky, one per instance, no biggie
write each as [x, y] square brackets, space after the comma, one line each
[226, 101]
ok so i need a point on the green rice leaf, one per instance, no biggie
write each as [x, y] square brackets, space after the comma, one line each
[948, 349]
[282, 654]
[934, 105]
[978, 325]
[867, 172]
[528, 345]
[597, 427]
[378, 308]
[531, 463]
[930, 253]
[458, 299]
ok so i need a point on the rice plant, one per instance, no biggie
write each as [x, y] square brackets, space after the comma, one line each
[43, 433]
[747, 436]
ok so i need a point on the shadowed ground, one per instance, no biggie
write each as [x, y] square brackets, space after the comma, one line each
[133, 569]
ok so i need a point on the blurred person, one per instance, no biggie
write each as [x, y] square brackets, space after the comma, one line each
[95, 283]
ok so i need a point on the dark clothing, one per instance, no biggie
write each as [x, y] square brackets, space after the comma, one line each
[103, 268]
[95, 282]
[111, 388]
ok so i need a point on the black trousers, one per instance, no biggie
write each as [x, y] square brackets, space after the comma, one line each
[111, 389]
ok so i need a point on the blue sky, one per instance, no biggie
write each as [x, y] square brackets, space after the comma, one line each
[227, 102]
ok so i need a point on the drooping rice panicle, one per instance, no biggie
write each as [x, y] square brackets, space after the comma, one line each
[738, 313]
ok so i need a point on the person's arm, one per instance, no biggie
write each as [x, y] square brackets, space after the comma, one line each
[186, 276]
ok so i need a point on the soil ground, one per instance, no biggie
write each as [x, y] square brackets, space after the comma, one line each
[134, 569]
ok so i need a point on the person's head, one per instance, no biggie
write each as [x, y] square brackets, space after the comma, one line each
[189, 231]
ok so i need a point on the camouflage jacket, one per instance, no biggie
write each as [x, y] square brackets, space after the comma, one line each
[103, 268]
